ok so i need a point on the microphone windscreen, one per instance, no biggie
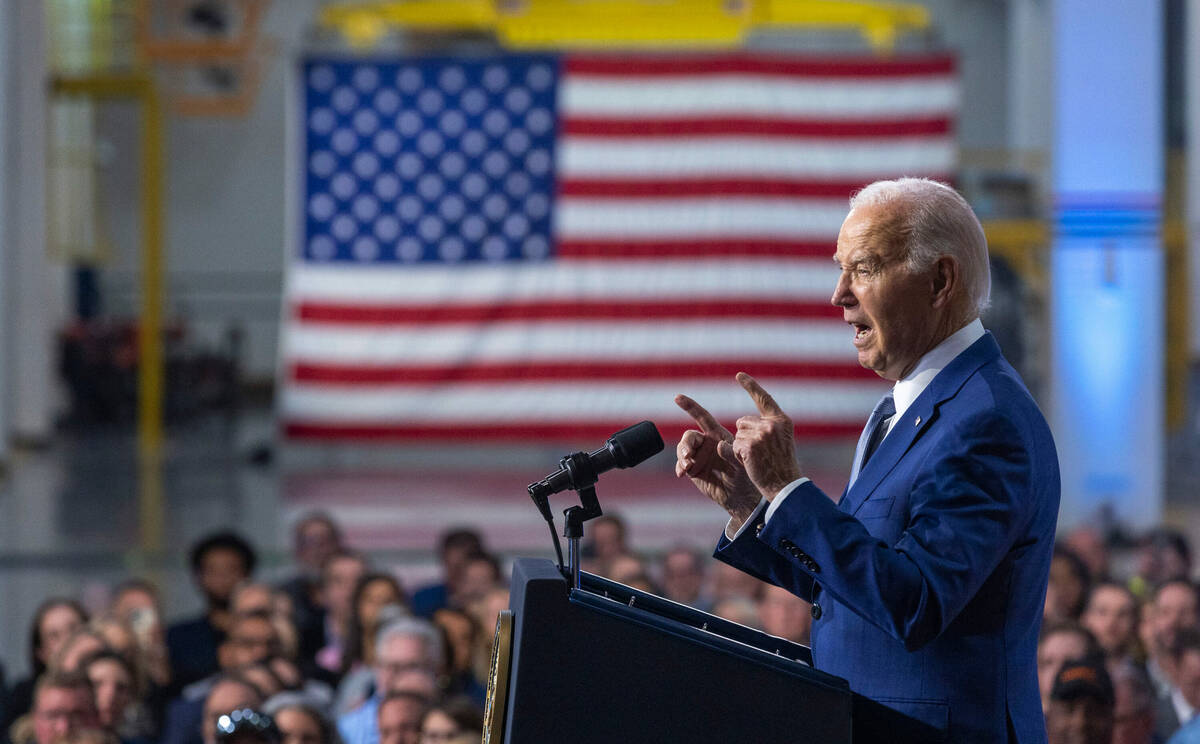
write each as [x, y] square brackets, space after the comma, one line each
[634, 444]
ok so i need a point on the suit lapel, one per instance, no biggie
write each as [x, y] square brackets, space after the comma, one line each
[917, 419]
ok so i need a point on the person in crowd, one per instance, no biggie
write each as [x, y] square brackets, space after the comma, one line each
[82, 644]
[63, 704]
[739, 610]
[783, 614]
[55, 620]
[230, 692]
[301, 724]
[1081, 705]
[339, 576]
[136, 603]
[1068, 586]
[729, 582]
[260, 598]
[1179, 706]
[1173, 607]
[631, 571]
[1089, 544]
[934, 562]
[480, 574]
[115, 687]
[456, 717]
[454, 547]
[408, 646]
[1133, 706]
[460, 633]
[1059, 643]
[253, 638]
[315, 538]
[606, 538]
[487, 612]
[219, 562]
[1111, 615]
[399, 718]
[1164, 554]
[377, 598]
[682, 573]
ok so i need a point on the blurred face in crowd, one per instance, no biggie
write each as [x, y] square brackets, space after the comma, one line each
[1055, 650]
[252, 639]
[316, 540]
[400, 721]
[1133, 716]
[296, 726]
[397, 655]
[78, 647]
[439, 728]
[681, 576]
[785, 615]
[478, 578]
[1111, 616]
[1174, 609]
[1064, 594]
[56, 626]
[729, 582]
[113, 688]
[341, 576]
[1088, 544]
[62, 711]
[253, 598]
[1080, 721]
[375, 596]
[221, 569]
[225, 697]
[608, 539]
[460, 631]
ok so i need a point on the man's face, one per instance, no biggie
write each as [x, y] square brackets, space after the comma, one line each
[58, 624]
[785, 615]
[1174, 609]
[681, 577]
[61, 711]
[1054, 651]
[337, 590]
[1080, 721]
[297, 727]
[225, 697]
[1188, 677]
[1133, 720]
[315, 541]
[251, 640]
[1110, 615]
[400, 721]
[397, 655]
[221, 569]
[890, 308]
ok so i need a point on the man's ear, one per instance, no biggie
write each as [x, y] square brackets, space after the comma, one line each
[945, 280]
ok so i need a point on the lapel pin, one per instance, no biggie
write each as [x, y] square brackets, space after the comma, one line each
[917, 422]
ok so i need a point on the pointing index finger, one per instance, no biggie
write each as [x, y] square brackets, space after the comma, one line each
[766, 404]
[705, 420]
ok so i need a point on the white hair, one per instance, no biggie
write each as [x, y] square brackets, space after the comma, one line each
[413, 627]
[935, 221]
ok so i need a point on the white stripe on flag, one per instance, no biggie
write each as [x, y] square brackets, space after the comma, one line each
[712, 217]
[382, 346]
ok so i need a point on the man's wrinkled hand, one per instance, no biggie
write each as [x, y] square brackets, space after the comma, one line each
[765, 443]
[707, 458]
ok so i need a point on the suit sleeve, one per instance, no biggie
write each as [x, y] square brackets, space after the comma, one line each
[969, 501]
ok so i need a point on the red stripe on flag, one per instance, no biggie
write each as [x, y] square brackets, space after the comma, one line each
[765, 65]
[608, 309]
[634, 369]
[755, 127]
[673, 188]
[510, 432]
[698, 248]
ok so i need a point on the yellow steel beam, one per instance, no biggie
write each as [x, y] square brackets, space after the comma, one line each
[140, 88]
[626, 23]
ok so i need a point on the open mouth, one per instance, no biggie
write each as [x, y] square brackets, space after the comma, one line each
[860, 331]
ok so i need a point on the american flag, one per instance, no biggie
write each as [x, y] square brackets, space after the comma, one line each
[551, 247]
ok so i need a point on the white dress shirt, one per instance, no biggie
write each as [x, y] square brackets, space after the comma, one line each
[904, 392]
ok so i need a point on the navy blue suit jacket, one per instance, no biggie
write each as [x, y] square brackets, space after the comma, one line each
[931, 570]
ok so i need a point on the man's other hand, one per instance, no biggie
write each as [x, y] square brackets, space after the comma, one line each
[764, 443]
[706, 456]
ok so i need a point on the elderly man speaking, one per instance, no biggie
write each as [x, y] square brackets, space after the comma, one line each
[927, 577]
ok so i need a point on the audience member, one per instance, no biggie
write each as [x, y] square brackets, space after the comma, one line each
[605, 539]
[480, 574]
[136, 603]
[456, 717]
[1179, 706]
[62, 705]
[683, 576]
[406, 647]
[1059, 643]
[315, 539]
[377, 598]
[399, 718]
[230, 692]
[454, 548]
[629, 570]
[1111, 615]
[1080, 709]
[729, 582]
[83, 643]
[1089, 544]
[219, 562]
[115, 688]
[1133, 709]
[301, 724]
[1067, 588]
[1173, 608]
[1163, 555]
[339, 576]
[740, 610]
[783, 614]
[55, 620]
[460, 632]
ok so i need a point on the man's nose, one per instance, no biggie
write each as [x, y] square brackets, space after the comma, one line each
[842, 296]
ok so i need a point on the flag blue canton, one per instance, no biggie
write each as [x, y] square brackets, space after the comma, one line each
[429, 160]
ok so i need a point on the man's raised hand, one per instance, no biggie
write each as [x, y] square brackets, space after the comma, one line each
[707, 457]
[764, 443]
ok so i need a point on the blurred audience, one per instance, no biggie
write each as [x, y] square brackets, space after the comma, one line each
[455, 547]
[1080, 709]
[1111, 615]
[377, 598]
[455, 718]
[1060, 643]
[63, 705]
[1067, 588]
[339, 576]
[1179, 706]
[1133, 706]
[399, 718]
[315, 538]
[683, 576]
[54, 621]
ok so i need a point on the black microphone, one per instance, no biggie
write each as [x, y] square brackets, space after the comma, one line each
[628, 447]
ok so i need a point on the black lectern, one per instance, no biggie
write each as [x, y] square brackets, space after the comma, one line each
[605, 663]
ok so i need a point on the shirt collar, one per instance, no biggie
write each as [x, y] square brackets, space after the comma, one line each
[935, 360]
